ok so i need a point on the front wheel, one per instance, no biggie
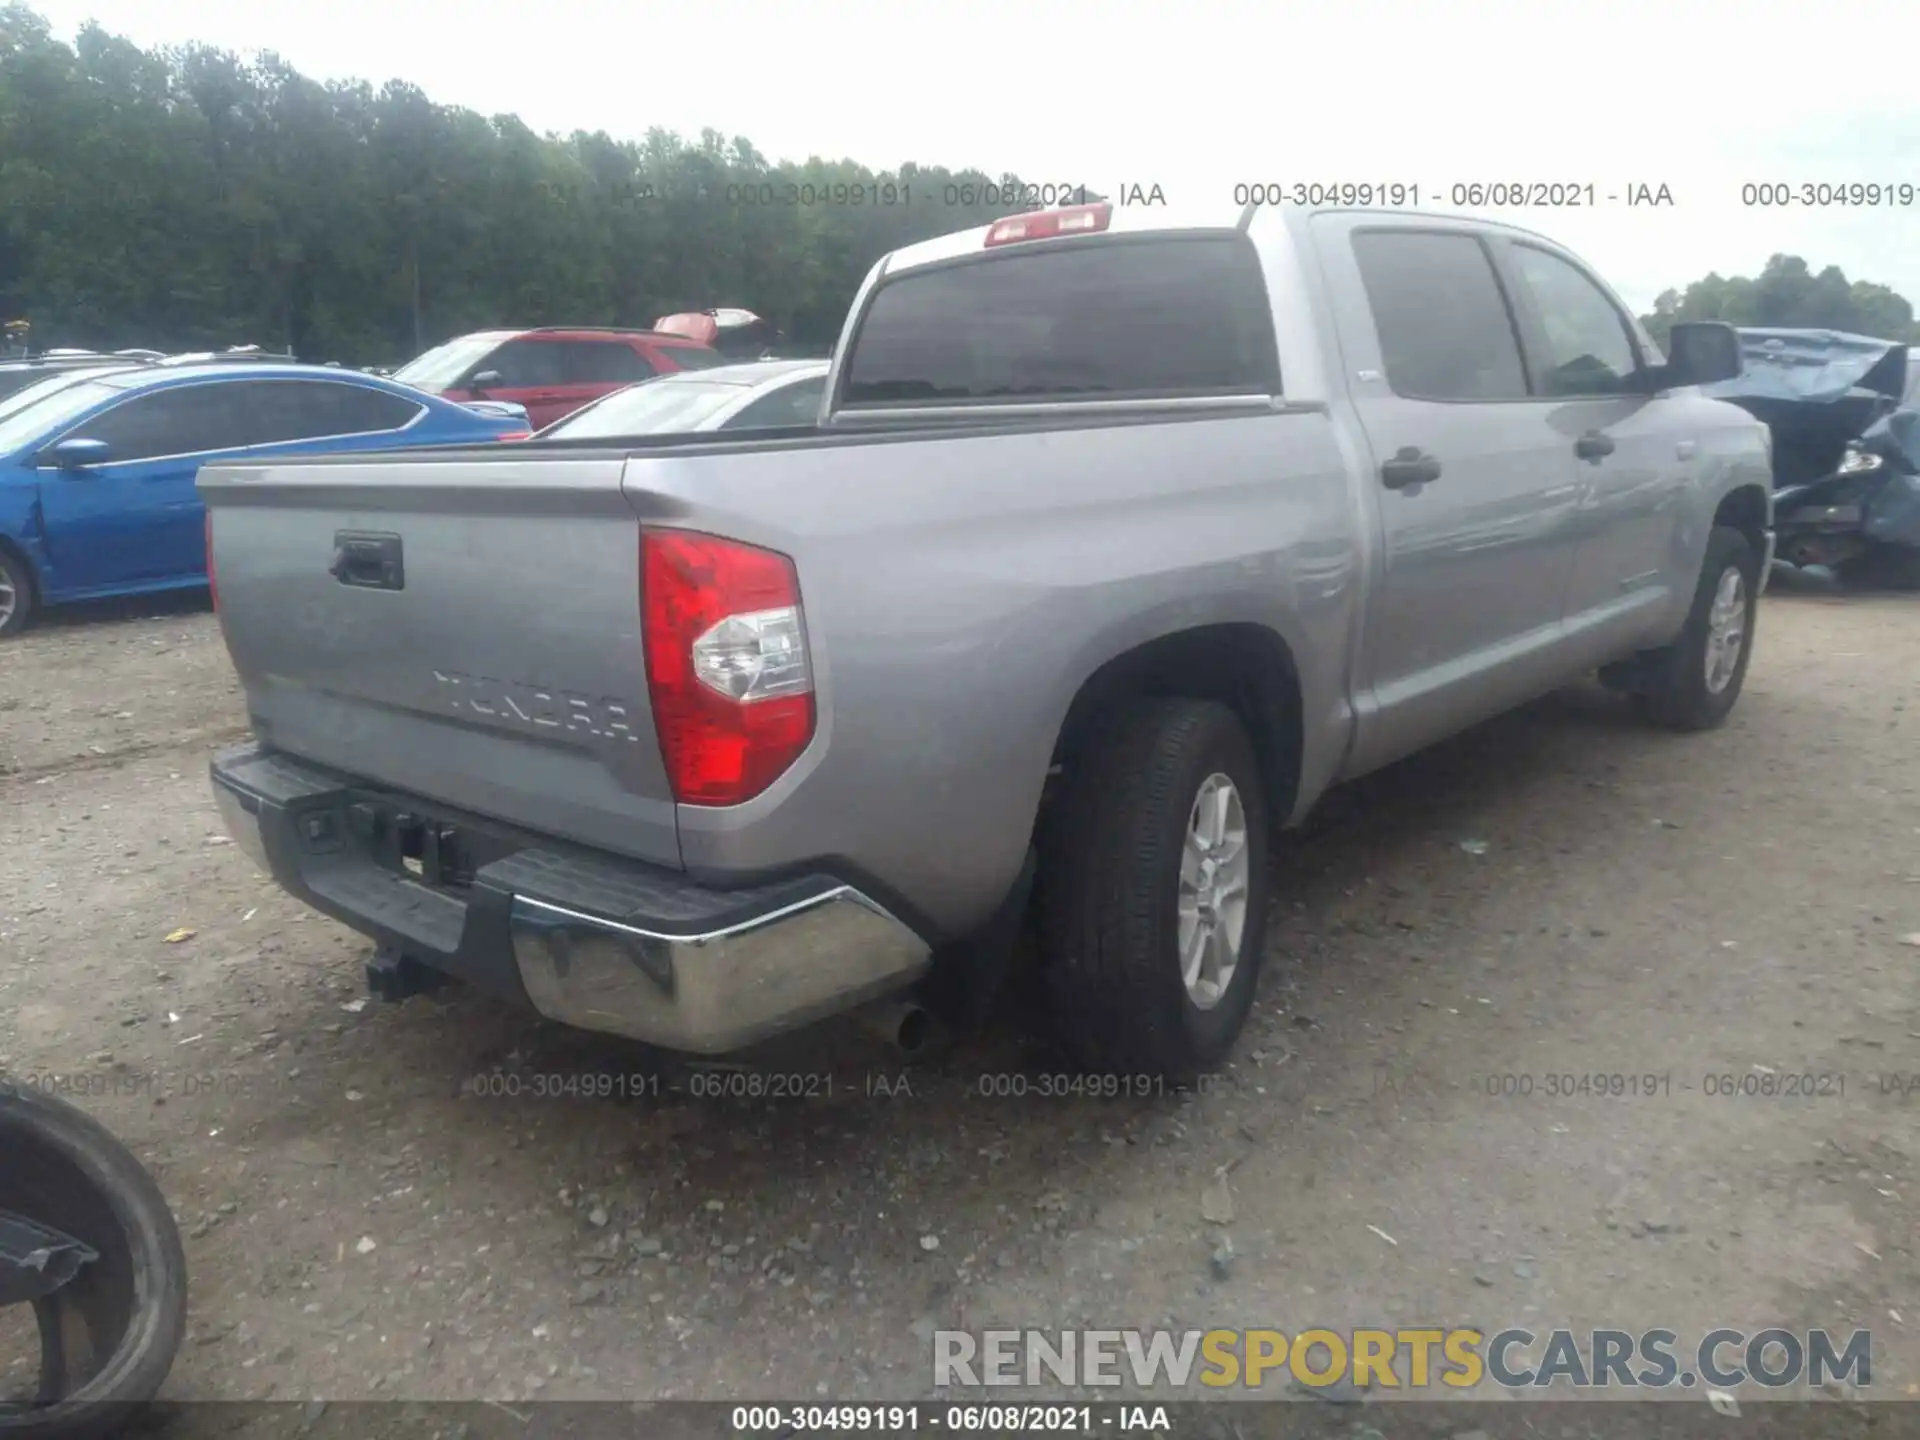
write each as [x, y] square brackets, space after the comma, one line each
[16, 594]
[1693, 683]
[1153, 891]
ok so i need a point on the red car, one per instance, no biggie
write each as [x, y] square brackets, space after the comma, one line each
[551, 371]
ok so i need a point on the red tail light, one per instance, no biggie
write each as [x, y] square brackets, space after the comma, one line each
[1046, 224]
[515, 435]
[213, 581]
[727, 664]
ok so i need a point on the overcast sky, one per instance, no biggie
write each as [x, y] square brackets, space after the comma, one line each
[1199, 96]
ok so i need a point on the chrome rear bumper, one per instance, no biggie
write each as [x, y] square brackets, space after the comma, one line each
[589, 939]
[715, 991]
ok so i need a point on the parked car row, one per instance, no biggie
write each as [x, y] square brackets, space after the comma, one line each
[552, 372]
[98, 452]
[1119, 537]
[758, 395]
[1844, 412]
[97, 462]
[17, 373]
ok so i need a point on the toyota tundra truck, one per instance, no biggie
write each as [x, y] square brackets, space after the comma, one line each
[1121, 536]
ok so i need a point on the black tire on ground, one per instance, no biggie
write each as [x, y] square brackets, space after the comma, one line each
[1110, 877]
[1675, 690]
[17, 579]
[124, 1314]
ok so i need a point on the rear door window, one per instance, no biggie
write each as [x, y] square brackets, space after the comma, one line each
[603, 362]
[1112, 318]
[1445, 329]
[284, 410]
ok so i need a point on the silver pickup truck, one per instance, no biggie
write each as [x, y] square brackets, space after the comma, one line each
[1120, 538]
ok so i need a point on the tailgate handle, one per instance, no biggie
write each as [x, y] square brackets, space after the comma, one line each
[368, 561]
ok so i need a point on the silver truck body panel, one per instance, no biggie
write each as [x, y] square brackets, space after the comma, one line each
[962, 575]
[463, 686]
[950, 626]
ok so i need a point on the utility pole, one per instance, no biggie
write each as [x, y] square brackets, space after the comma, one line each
[419, 340]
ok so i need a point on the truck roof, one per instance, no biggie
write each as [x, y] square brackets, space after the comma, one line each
[1124, 219]
[1137, 219]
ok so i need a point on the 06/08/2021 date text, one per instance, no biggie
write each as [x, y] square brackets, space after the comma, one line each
[1470, 194]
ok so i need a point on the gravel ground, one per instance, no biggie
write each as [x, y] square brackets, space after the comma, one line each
[368, 1214]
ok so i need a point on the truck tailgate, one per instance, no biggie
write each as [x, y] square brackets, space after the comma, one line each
[463, 626]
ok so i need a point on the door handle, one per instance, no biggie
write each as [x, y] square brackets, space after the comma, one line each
[1593, 446]
[1411, 466]
[368, 561]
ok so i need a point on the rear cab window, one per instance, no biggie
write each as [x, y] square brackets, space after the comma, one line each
[1113, 317]
[603, 362]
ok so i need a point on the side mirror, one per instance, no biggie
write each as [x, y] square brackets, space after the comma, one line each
[1702, 352]
[78, 454]
[486, 380]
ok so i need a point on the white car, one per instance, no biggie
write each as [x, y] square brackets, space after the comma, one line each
[753, 395]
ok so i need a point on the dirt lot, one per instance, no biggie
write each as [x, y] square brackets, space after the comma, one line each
[367, 1215]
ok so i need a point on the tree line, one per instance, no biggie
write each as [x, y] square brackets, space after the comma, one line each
[187, 198]
[1788, 295]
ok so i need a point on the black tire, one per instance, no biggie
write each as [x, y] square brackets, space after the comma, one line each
[130, 1305]
[1110, 880]
[1675, 692]
[17, 578]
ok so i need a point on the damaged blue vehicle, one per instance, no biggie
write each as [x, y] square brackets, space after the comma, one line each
[1844, 413]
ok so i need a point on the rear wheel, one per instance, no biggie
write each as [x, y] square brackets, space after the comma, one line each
[1153, 891]
[16, 594]
[1693, 683]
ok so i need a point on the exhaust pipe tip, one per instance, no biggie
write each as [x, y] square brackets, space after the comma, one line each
[914, 1030]
[904, 1025]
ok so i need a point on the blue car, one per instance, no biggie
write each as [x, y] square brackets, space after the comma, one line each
[97, 467]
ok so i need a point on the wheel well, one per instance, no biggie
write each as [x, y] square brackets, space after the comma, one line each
[1244, 666]
[1745, 510]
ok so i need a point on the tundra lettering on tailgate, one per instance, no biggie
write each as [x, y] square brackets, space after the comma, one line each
[536, 707]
